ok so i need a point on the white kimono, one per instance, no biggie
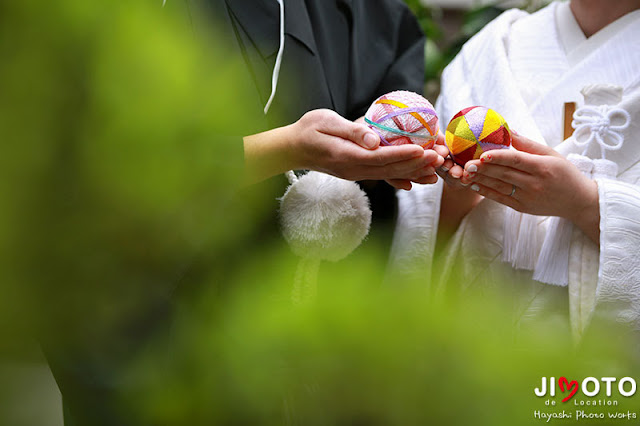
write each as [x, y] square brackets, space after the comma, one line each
[526, 67]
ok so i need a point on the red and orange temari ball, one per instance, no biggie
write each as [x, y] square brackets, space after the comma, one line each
[403, 117]
[475, 130]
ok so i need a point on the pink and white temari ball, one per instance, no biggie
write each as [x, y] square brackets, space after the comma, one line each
[403, 117]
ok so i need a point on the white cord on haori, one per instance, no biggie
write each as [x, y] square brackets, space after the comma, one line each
[276, 68]
[322, 217]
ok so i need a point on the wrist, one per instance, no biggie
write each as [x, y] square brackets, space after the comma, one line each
[586, 215]
[293, 146]
[269, 153]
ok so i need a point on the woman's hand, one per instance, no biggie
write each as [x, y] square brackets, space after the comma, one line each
[324, 141]
[535, 179]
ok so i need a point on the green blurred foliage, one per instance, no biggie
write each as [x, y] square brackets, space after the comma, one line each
[365, 356]
[115, 169]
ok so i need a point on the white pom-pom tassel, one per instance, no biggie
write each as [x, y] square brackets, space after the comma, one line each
[323, 218]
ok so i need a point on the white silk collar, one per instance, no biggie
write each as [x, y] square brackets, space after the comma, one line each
[576, 45]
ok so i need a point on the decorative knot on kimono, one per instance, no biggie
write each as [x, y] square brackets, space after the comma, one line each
[595, 124]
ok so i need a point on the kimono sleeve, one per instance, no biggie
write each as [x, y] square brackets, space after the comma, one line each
[619, 276]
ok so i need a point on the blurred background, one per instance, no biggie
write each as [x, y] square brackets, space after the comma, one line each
[110, 188]
[448, 24]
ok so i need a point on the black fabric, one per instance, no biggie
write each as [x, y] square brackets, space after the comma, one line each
[339, 54]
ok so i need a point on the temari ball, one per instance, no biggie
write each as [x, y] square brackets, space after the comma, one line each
[475, 130]
[403, 117]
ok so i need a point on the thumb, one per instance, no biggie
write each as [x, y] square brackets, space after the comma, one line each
[364, 136]
[356, 132]
[527, 145]
[370, 140]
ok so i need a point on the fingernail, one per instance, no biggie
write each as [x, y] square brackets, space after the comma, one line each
[370, 140]
[472, 168]
[464, 184]
[475, 187]
[485, 158]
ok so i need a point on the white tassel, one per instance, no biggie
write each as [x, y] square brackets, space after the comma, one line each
[553, 262]
[511, 232]
[323, 218]
[520, 244]
[527, 248]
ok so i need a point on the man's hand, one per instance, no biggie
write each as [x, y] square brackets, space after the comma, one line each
[324, 141]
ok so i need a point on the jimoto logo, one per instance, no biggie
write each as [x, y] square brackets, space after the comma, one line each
[590, 387]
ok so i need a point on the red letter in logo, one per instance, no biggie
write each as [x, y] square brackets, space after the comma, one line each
[573, 387]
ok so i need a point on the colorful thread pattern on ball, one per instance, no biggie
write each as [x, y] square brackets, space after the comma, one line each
[475, 130]
[403, 117]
